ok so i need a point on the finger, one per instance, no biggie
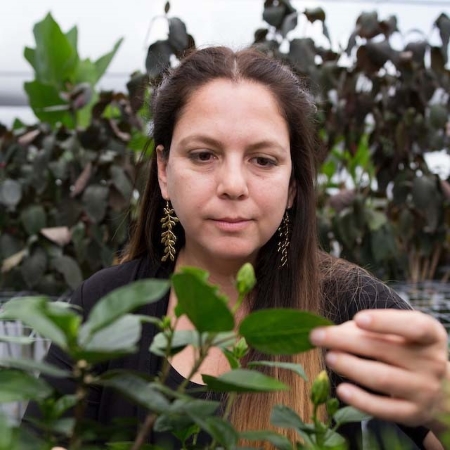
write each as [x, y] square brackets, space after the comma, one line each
[385, 408]
[386, 379]
[393, 350]
[412, 325]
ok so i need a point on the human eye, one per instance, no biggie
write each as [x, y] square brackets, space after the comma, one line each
[201, 156]
[264, 161]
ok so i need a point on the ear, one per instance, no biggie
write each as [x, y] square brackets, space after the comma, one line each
[291, 194]
[162, 161]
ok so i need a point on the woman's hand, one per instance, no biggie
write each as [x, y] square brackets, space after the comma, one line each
[401, 354]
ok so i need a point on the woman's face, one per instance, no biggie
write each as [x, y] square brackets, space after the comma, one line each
[228, 171]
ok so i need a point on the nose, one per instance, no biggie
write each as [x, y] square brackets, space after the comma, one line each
[232, 180]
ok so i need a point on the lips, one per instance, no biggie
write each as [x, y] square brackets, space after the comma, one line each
[231, 224]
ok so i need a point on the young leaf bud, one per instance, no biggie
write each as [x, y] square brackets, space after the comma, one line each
[245, 280]
[320, 390]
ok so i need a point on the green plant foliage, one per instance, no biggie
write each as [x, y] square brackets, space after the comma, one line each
[111, 330]
[63, 88]
[66, 198]
[280, 331]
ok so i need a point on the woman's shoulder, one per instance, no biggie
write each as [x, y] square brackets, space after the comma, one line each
[111, 278]
[348, 288]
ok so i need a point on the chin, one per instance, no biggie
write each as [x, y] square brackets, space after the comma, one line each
[237, 255]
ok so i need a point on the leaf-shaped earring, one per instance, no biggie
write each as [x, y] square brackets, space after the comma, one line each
[168, 237]
[284, 239]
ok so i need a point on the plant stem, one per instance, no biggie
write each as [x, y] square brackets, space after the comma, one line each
[238, 303]
[318, 428]
[143, 432]
[80, 372]
[231, 398]
[203, 352]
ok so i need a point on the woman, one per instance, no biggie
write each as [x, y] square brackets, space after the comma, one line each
[233, 180]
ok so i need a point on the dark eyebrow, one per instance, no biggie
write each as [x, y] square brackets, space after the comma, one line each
[208, 140]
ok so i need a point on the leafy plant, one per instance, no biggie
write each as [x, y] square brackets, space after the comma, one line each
[379, 113]
[66, 197]
[111, 330]
[63, 90]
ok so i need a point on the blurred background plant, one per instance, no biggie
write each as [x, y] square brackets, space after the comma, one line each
[380, 112]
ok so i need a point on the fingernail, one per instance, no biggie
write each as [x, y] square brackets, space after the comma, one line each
[345, 392]
[364, 319]
[317, 336]
[331, 358]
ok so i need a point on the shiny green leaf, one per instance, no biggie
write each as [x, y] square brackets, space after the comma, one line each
[243, 380]
[123, 300]
[202, 303]
[296, 368]
[18, 386]
[280, 331]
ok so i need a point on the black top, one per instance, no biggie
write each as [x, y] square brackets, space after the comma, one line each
[105, 405]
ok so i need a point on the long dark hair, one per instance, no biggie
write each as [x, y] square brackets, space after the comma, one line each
[295, 285]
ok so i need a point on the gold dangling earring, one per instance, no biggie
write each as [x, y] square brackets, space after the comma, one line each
[168, 238]
[283, 236]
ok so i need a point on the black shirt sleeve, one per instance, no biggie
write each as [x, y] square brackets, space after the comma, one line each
[357, 292]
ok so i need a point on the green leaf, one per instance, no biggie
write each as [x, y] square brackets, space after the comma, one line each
[282, 416]
[245, 279]
[438, 116]
[34, 312]
[334, 441]
[243, 380]
[280, 331]
[104, 61]
[120, 335]
[332, 406]
[180, 339]
[95, 202]
[30, 55]
[220, 430]
[123, 300]
[19, 386]
[33, 219]
[182, 413]
[296, 368]
[72, 37]
[63, 404]
[33, 267]
[194, 407]
[277, 440]
[443, 24]
[178, 36]
[289, 24]
[69, 269]
[138, 390]
[55, 57]
[86, 72]
[9, 245]
[313, 14]
[202, 303]
[158, 58]
[10, 193]
[171, 422]
[349, 414]
[375, 219]
[186, 433]
[274, 14]
[121, 181]
[34, 366]
[47, 104]
[232, 360]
